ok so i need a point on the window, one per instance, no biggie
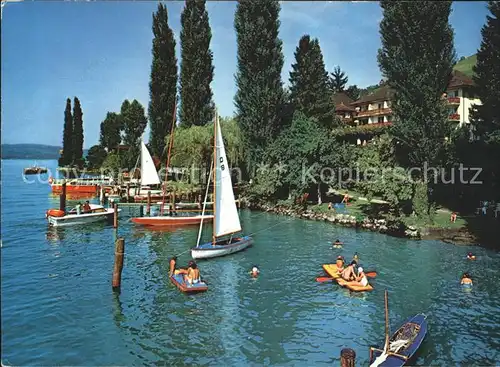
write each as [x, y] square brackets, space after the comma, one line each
[380, 119]
[380, 106]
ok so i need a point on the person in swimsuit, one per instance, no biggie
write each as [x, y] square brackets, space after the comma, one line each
[348, 273]
[340, 264]
[356, 258]
[193, 274]
[361, 280]
[255, 272]
[466, 279]
[470, 256]
[86, 207]
[337, 244]
[173, 262]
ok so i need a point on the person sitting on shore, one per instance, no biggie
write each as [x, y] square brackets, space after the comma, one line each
[361, 280]
[337, 244]
[470, 256]
[330, 206]
[193, 274]
[349, 273]
[345, 199]
[255, 271]
[453, 217]
[340, 264]
[466, 279]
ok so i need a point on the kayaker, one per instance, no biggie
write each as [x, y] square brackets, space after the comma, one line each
[340, 264]
[348, 273]
[255, 271]
[361, 280]
[193, 274]
[470, 256]
[337, 244]
[466, 279]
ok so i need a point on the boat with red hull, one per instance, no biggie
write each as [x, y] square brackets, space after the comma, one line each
[172, 220]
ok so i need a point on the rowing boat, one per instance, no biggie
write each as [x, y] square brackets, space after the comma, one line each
[180, 282]
[403, 344]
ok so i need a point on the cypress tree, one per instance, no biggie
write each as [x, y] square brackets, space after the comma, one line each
[309, 83]
[196, 65]
[417, 58]
[67, 153]
[163, 84]
[486, 117]
[260, 97]
[77, 133]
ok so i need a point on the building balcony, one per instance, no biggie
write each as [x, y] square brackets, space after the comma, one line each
[454, 100]
[454, 117]
[375, 112]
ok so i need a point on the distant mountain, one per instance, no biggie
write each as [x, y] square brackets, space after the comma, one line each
[31, 151]
[465, 65]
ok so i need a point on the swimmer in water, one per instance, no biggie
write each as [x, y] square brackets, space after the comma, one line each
[337, 244]
[466, 279]
[356, 258]
[470, 256]
[255, 271]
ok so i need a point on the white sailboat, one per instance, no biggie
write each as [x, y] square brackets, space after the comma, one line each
[226, 220]
[149, 176]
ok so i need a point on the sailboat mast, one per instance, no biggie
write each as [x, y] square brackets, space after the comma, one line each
[215, 178]
[170, 144]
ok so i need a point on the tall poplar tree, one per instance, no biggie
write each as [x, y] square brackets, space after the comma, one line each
[197, 70]
[309, 83]
[67, 153]
[260, 97]
[417, 58]
[486, 117]
[163, 84]
[77, 133]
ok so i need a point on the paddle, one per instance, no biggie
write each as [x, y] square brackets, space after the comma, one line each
[370, 274]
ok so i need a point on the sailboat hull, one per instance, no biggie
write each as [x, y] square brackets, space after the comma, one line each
[208, 250]
[172, 220]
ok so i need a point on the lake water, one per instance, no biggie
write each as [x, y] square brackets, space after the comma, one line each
[58, 307]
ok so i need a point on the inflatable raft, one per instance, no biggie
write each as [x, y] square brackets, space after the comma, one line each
[354, 288]
[179, 282]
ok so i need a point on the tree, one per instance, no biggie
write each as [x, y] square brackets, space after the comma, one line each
[197, 70]
[67, 153]
[338, 80]
[486, 117]
[353, 92]
[163, 83]
[96, 156]
[77, 133]
[134, 122]
[110, 136]
[309, 90]
[259, 98]
[417, 58]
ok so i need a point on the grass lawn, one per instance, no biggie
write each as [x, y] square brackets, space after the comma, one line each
[465, 65]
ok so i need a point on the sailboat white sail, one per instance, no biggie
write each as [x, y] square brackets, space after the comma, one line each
[149, 176]
[227, 220]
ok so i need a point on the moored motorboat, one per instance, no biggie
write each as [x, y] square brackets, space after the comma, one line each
[177, 220]
[180, 282]
[33, 170]
[403, 344]
[226, 220]
[58, 218]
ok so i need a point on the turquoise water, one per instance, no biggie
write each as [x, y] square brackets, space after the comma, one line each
[58, 306]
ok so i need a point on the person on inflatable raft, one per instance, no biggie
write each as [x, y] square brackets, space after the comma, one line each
[361, 280]
[348, 273]
[340, 264]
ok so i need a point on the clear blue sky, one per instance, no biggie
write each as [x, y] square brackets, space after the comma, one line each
[101, 53]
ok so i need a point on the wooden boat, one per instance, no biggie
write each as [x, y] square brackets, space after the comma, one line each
[58, 218]
[403, 344]
[226, 220]
[149, 176]
[33, 170]
[88, 186]
[180, 282]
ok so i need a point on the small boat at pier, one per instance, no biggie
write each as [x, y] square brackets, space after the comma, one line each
[97, 213]
[226, 221]
[403, 344]
[179, 281]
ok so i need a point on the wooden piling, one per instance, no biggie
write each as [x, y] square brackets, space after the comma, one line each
[141, 211]
[62, 197]
[128, 193]
[117, 269]
[115, 215]
[148, 208]
[173, 202]
[347, 357]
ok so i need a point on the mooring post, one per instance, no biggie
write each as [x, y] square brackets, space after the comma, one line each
[128, 193]
[62, 197]
[347, 357]
[115, 215]
[148, 208]
[117, 270]
[141, 210]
